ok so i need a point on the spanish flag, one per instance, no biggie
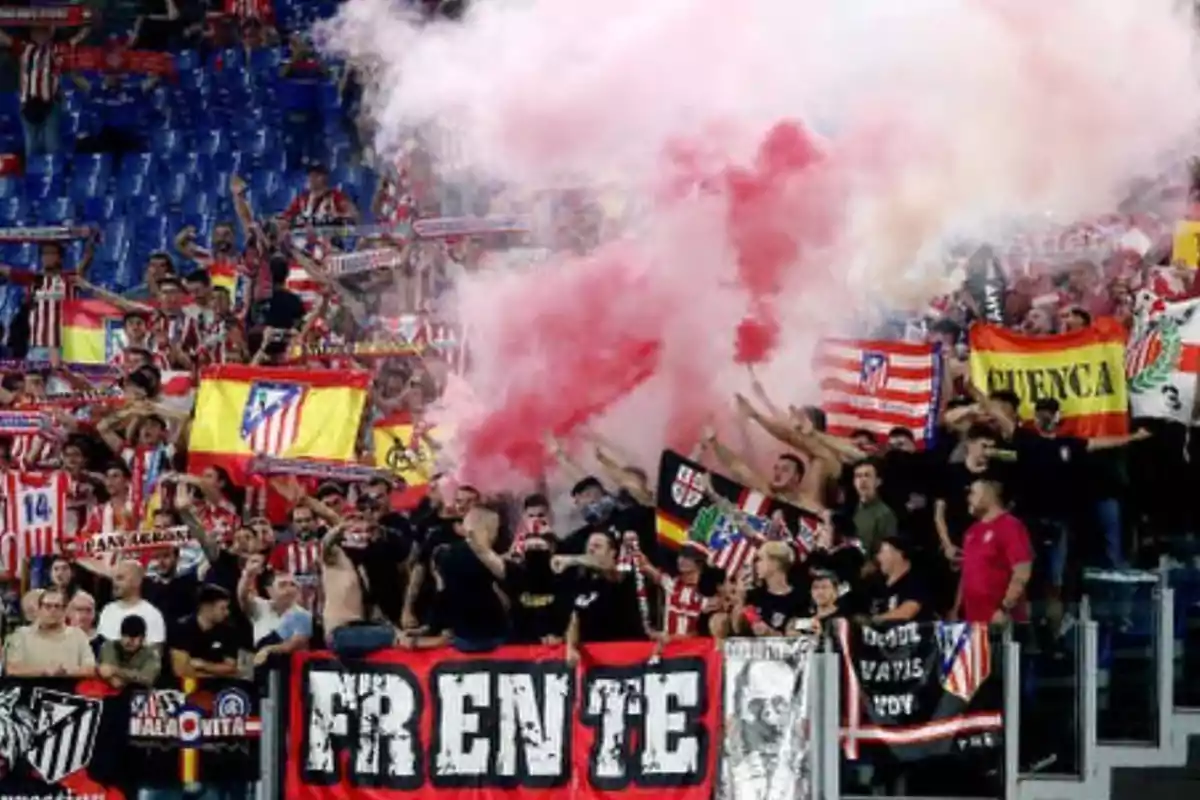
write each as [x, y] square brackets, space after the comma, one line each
[91, 331]
[1084, 371]
[243, 412]
[226, 275]
[403, 448]
[1185, 246]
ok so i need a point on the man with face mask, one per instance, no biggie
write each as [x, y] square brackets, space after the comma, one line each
[540, 607]
[602, 512]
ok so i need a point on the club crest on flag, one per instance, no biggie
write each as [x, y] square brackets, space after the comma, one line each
[965, 658]
[686, 488]
[874, 372]
[271, 417]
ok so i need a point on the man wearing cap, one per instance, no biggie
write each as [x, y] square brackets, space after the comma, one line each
[129, 659]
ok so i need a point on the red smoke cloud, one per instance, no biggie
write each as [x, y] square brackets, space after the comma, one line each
[601, 331]
[772, 220]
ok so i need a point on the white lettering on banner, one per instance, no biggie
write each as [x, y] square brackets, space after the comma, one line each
[610, 703]
[667, 749]
[899, 636]
[502, 723]
[463, 750]
[666, 706]
[906, 669]
[374, 714]
[889, 705]
[531, 734]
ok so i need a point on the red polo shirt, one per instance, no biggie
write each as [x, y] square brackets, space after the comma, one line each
[990, 552]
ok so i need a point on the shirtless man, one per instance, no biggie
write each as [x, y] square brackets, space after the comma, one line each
[354, 628]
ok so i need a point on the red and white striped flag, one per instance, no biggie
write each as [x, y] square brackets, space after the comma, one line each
[303, 557]
[966, 657]
[738, 549]
[17, 548]
[879, 385]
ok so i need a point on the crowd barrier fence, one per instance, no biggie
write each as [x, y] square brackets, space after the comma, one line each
[913, 710]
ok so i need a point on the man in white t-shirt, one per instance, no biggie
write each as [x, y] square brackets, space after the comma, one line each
[128, 600]
[281, 624]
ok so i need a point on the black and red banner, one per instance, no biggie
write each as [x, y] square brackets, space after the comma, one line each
[518, 722]
[916, 691]
[67, 738]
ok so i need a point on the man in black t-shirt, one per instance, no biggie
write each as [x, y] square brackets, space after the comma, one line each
[205, 645]
[897, 594]
[474, 615]
[441, 525]
[606, 603]
[767, 609]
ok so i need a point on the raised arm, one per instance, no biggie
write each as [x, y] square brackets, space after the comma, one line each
[735, 464]
[210, 546]
[480, 525]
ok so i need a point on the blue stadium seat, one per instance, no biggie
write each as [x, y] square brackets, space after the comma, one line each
[220, 183]
[197, 204]
[274, 160]
[56, 210]
[187, 61]
[10, 106]
[69, 126]
[266, 59]
[148, 206]
[138, 164]
[227, 161]
[132, 185]
[115, 233]
[177, 186]
[11, 187]
[40, 187]
[348, 177]
[45, 165]
[100, 209]
[13, 209]
[91, 164]
[84, 187]
[22, 255]
[211, 141]
[168, 142]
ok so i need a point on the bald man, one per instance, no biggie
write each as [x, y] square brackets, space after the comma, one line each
[127, 600]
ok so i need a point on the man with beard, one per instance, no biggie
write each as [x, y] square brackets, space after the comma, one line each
[540, 609]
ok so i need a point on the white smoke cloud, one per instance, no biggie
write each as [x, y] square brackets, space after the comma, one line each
[939, 116]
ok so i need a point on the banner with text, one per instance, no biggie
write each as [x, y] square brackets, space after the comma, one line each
[518, 722]
[767, 752]
[1083, 370]
[914, 691]
[61, 737]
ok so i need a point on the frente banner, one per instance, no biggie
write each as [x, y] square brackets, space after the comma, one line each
[517, 722]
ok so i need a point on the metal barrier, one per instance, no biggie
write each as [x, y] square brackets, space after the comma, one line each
[1118, 660]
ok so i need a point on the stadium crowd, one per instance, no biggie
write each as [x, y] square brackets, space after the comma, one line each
[999, 513]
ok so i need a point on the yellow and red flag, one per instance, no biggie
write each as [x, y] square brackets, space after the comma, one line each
[405, 447]
[91, 331]
[243, 412]
[1084, 371]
